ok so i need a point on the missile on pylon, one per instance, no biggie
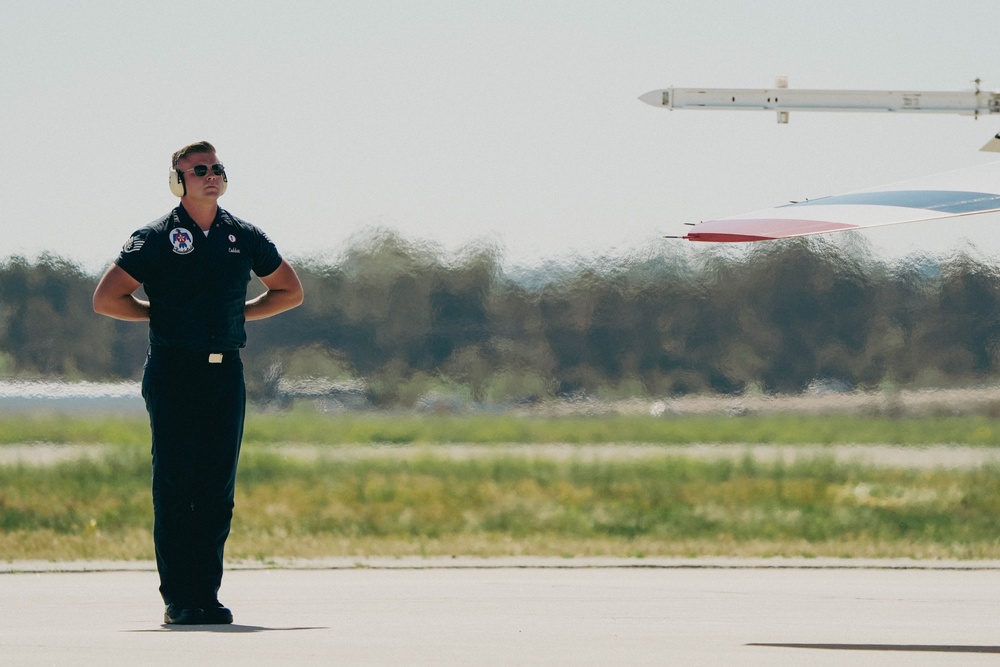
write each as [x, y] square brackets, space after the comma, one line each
[783, 100]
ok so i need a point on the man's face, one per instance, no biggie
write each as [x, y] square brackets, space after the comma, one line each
[208, 186]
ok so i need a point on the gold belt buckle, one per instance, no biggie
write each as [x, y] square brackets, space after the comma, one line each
[215, 358]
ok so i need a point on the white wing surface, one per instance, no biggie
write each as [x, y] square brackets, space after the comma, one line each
[962, 192]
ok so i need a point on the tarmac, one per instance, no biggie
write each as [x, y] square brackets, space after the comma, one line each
[515, 611]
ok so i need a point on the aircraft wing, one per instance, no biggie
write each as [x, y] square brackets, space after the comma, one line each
[956, 193]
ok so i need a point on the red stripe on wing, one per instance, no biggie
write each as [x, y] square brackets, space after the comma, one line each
[761, 229]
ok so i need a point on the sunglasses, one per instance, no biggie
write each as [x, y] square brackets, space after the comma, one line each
[202, 169]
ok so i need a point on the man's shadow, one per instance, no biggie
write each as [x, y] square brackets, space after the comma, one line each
[233, 628]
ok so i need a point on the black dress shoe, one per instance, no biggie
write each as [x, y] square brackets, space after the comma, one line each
[176, 614]
[215, 614]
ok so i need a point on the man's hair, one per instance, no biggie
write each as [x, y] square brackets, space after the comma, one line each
[197, 147]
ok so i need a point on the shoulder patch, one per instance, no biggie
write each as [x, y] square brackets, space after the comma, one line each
[134, 244]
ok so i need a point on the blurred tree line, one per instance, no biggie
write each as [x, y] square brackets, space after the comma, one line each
[406, 318]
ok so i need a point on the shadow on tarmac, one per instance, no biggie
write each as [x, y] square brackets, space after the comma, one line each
[920, 648]
[234, 628]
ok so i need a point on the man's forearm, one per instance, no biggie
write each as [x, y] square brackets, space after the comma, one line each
[125, 307]
[270, 303]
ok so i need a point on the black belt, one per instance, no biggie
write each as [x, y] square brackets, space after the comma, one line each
[180, 354]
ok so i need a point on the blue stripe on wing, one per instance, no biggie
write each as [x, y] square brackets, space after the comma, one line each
[946, 201]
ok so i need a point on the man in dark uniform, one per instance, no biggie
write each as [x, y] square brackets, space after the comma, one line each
[194, 265]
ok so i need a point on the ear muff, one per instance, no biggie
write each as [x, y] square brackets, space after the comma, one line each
[177, 183]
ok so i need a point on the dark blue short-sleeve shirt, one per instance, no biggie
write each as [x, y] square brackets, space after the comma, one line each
[197, 284]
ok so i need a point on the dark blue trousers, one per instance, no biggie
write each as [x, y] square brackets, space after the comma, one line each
[196, 412]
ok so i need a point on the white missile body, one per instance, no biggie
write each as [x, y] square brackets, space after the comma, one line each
[784, 100]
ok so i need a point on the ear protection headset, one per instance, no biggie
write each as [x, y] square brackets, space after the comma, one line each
[177, 186]
[178, 189]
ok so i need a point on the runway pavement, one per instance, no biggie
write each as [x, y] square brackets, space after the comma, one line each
[516, 612]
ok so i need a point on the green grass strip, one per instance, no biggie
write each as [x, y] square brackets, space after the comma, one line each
[654, 506]
[313, 428]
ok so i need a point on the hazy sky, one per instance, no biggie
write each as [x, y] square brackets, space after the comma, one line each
[511, 123]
